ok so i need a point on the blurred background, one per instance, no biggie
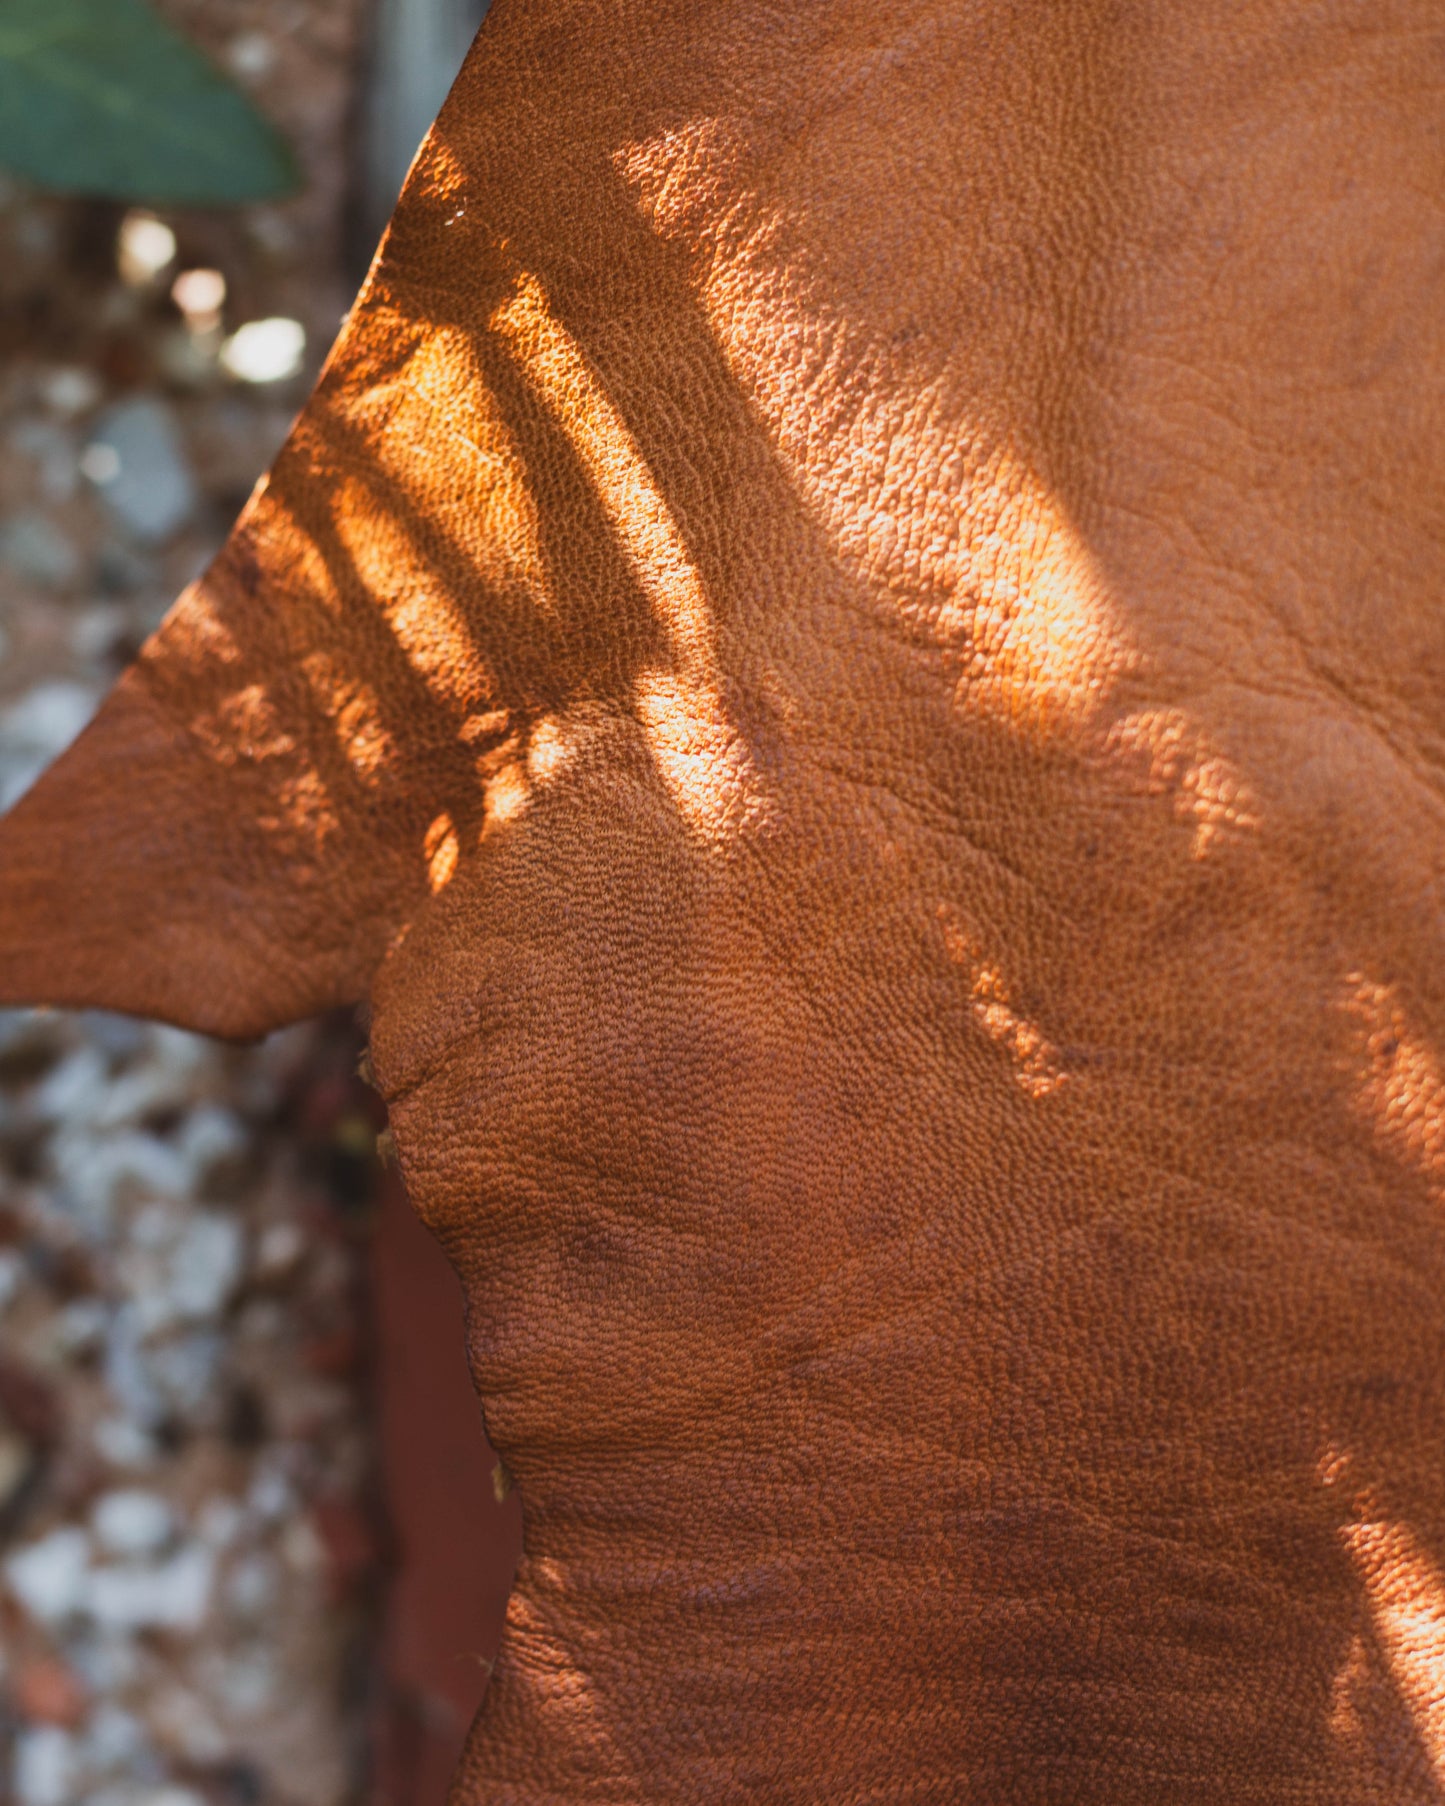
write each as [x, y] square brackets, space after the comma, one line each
[252, 1545]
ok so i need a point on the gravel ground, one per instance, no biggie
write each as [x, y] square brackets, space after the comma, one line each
[185, 1459]
[187, 1535]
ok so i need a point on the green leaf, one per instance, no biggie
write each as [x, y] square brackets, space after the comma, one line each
[102, 97]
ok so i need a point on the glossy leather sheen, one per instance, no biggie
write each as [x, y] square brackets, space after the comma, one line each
[851, 652]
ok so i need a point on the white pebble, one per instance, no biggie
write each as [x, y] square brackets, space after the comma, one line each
[149, 487]
[123, 1443]
[183, 1371]
[100, 464]
[95, 1168]
[179, 1050]
[184, 1721]
[253, 1587]
[109, 1664]
[97, 630]
[220, 1522]
[121, 1037]
[44, 1767]
[200, 294]
[206, 1265]
[47, 718]
[247, 1683]
[126, 1372]
[144, 1090]
[114, 1738]
[280, 1247]
[131, 1521]
[48, 1577]
[35, 549]
[172, 1596]
[81, 1326]
[271, 1497]
[155, 1226]
[209, 1135]
[35, 729]
[74, 1089]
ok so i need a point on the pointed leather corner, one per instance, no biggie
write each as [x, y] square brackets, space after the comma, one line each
[149, 871]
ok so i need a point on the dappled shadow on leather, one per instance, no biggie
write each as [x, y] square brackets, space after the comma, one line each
[1388, 1713]
[893, 1122]
[1063, 1678]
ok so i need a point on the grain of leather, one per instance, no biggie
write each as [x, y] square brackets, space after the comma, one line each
[850, 651]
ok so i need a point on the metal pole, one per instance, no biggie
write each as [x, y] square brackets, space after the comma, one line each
[417, 47]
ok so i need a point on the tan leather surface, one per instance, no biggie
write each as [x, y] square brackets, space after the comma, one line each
[851, 648]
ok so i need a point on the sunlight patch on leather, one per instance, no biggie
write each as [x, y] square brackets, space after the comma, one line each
[557, 743]
[352, 708]
[245, 730]
[441, 402]
[1174, 758]
[1024, 606]
[700, 753]
[1399, 1084]
[241, 726]
[1035, 1059]
[433, 635]
[700, 757]
[508, 796]
[1374, 1728]
[542, 1662]
[441, 850]
[271, 530]
[193, 637]
[438, 176]
[1405, 1590]
[946, 524]
[549, 750]
[559, 374]
[1351, 1696]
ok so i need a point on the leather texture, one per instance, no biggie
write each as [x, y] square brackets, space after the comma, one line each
[850, 651]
